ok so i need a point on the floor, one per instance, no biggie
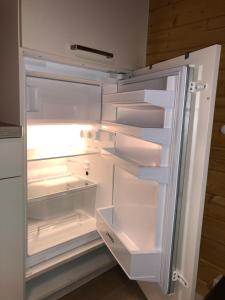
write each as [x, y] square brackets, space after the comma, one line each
[112, 285]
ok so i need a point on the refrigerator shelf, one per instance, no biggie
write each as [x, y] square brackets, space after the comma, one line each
[159, 98]
[155, 135]
[137, 264]
[159, 174]
[47, 239]
[55, 187]
[35, 155]
[50, 264]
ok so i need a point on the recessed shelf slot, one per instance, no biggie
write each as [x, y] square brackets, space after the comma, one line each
[139, 170]
[156, 135]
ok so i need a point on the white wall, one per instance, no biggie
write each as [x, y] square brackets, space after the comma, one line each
[118, 26]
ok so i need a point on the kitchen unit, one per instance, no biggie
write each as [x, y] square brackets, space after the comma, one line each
[114, 159]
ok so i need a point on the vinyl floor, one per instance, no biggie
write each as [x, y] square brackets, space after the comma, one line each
[112, 285]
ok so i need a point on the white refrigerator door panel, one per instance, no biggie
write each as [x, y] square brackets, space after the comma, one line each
[145, 176]
[206, 65]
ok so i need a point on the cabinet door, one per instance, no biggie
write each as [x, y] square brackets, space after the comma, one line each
[12, 239]
[11, 164]
[119, 27]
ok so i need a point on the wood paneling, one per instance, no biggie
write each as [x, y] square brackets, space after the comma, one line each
[176, 27]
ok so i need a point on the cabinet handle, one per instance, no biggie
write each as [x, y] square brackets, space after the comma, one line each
[110, 237]
[91, 50]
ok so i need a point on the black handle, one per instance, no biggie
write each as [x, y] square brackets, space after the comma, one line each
[110, 237]
[91, 50]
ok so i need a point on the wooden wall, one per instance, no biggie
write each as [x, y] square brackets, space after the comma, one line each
[176, 27]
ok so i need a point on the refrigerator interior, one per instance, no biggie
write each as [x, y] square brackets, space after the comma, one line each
[105, 151]
[66, 181]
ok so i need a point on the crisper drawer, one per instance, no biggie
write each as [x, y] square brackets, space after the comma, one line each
[137, 264]
[11, 157]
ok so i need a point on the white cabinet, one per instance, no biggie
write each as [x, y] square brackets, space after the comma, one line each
[11, 158]
[12, 238]
[118, 27]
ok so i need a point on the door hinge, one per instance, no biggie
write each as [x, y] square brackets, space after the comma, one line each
[177, 276]
[196, 86]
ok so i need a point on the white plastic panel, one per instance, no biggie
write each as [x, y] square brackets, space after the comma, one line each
[49, 99]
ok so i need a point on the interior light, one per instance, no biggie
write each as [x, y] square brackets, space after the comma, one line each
[57, 140]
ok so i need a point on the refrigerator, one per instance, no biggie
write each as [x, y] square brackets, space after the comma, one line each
[117, 161]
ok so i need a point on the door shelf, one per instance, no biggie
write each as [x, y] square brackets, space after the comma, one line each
[137, 264]
[159, 98]
[159, 174]
[155, 135]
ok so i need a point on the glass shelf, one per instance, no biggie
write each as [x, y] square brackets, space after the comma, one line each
[35, 155]
[56, 186]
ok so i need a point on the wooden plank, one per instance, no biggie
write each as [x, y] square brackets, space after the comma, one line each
[213, 252]
[214, 229]
[208, 271]
[218, 139]
[219, 114]
[220, 101]
[187, 37]
[187, 12]
[216, 23]
[202, 288]
[217, 165]
[215, 206]
[217, 159]
[216, 183]
[155, 5]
